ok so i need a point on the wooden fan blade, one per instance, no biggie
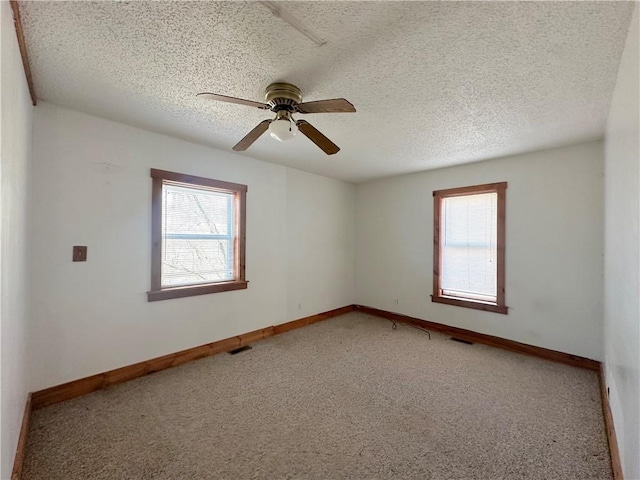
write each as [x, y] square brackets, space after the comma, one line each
[318, 138]
[335, 105]
[238, 101]
[252, 136]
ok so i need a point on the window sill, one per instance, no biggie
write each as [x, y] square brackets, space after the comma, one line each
[487, 307]
[191, 290]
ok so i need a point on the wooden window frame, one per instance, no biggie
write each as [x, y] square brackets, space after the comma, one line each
[438, 297]
[239, 191]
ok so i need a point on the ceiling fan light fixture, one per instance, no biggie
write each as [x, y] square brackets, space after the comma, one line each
[283, 129]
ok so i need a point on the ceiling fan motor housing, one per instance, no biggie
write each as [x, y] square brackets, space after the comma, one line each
[282, 96]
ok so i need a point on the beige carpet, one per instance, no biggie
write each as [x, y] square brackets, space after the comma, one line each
[345, 398]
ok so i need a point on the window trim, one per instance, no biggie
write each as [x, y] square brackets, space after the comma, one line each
[240, 194]
[437, 296]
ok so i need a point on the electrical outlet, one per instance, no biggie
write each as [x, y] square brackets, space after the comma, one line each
[299, 306]
[396, 301]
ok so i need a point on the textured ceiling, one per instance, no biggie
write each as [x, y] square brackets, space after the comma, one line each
[435, 83]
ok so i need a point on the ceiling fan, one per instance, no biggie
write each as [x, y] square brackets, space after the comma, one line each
[284, 100]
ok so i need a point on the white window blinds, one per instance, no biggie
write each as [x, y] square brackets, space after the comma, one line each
[469, 246]
[198, 236]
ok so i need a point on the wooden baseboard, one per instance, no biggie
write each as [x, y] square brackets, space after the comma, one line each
[82, 386]
[303, 322]
[21, 449]
[616, 464]
[475, 337]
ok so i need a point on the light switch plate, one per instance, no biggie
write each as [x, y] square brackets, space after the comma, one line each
[79, 253]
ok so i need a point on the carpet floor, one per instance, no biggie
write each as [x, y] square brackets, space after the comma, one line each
[344, 398]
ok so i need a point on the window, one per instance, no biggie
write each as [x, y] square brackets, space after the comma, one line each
[468, 247]
[198, 236]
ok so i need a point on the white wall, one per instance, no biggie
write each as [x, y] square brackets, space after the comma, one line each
[553, 252]
[622, 255]
[91, 186]
[15, 146]
[320, 214]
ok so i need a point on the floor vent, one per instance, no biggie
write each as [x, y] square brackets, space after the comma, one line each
[467, 342]
[238, 350]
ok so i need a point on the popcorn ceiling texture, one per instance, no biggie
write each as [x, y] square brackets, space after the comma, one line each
[435, 83]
